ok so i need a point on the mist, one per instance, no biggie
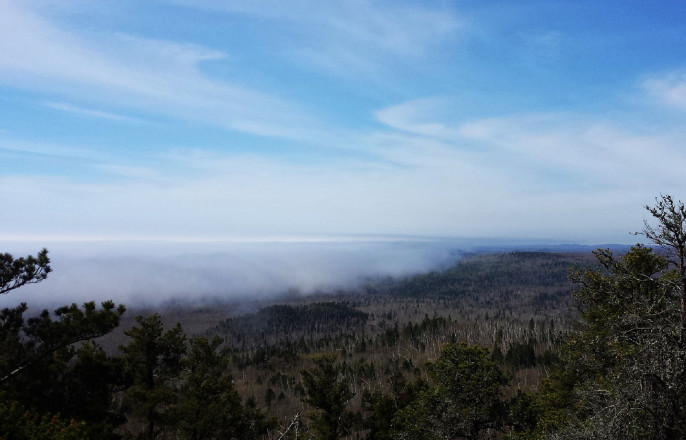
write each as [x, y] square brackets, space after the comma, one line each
[151, 273]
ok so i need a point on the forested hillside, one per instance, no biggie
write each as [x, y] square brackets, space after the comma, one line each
[521, 345]
[386, 331]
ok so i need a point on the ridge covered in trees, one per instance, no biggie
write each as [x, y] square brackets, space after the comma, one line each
[523, 345]
[293, 321]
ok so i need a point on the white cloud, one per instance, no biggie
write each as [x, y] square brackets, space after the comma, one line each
[553, 150]
[354, 36]
[11, 144]
[150, 272]
[419, 117]
[590, 150]
[403, 29]
[157, 77]
[426, 174]
[669, 88]
[440, 193]
[129, 171]
[63, 106]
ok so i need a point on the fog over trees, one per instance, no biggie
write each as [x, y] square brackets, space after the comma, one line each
[498, 346]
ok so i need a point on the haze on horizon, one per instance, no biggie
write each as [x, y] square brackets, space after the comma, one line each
[162, 273]
[228, 121]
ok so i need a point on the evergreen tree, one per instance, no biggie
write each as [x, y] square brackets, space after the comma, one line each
[28, 342]
[622, 374]
[153, 360]
[90, 380]
[42, 366]
[383, 408]
[464, 401]
[467, 395]
[208, 406]
[18, 272]
[18, 423]
[327, 391]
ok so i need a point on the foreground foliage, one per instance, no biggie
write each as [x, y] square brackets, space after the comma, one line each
[17, 272]
[463, 401]
[181, 388]
[17, 423]
[623, 373]
[327, 391]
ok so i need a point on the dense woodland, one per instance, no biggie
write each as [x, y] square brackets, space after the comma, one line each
[521, 345]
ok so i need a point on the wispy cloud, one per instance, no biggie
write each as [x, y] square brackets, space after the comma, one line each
[669, 88]
[9, 143]
[402, 28]
[63, 106]
[418, 117]
[151, 76]
[553, 150]
[355, 36]
[591, 151]
[243, 195]
[129, 171]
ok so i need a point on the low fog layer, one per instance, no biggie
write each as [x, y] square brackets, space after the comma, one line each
[150, 273]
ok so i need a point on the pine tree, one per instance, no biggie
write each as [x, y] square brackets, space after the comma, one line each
[18, 272]
[208, 406]
[622, 374]
[327, 391]
[153, 358]
[48, 363]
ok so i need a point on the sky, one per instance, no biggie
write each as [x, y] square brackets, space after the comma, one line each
[178, 121]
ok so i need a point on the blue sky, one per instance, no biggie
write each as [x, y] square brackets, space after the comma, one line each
[231, 120]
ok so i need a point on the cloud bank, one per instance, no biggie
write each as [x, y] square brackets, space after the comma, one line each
[153, 273]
